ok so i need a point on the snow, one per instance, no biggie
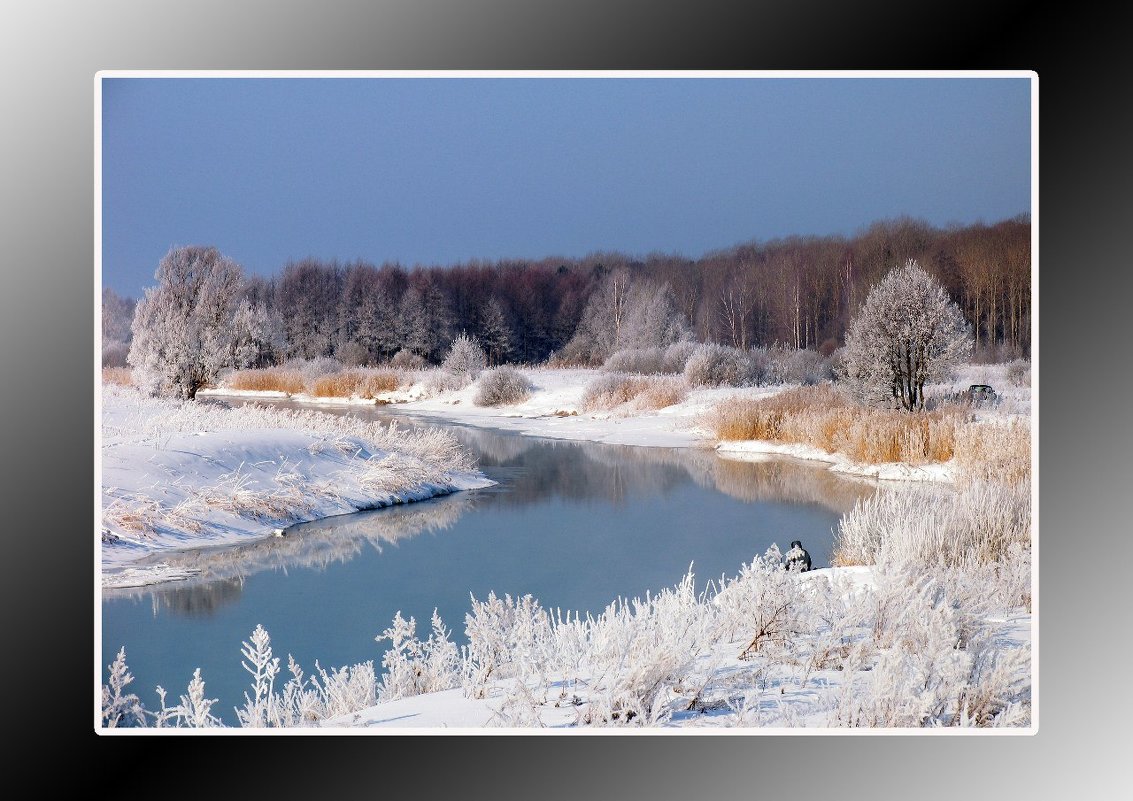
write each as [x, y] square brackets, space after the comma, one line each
[555, 410]
[257, 473]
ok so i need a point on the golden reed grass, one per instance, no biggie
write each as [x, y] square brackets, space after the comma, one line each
[822, 417]
[268, 379]
[122, 376]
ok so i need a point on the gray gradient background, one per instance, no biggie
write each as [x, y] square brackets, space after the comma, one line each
[50, 53]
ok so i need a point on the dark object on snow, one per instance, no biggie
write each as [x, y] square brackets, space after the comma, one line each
[980, 394]
[798, 556]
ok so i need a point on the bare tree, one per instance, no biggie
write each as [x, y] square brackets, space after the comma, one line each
[907, 333]
[182, 328]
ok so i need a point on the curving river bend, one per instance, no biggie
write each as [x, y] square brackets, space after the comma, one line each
[574, 524]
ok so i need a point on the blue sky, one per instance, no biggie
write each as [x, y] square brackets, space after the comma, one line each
[441, 170]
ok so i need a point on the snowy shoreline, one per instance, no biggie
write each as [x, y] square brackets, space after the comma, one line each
[178, 476]
[555, 411]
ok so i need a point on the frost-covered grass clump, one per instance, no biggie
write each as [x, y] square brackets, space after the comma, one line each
[502, 386]
[630, 393]
[976, 524]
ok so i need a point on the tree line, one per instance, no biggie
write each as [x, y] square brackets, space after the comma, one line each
[796, 291]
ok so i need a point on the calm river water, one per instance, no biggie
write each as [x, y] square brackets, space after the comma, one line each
[576, 525]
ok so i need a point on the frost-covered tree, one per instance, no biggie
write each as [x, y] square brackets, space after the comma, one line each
[907, 333]
[413, 325]
[253, 335]
[117, 315]
[623, 314]
[182, 329]
[495, 332]
[465, 357]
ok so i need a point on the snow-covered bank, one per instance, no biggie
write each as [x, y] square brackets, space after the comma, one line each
[555, 409]
[185, 475]
[890, 646]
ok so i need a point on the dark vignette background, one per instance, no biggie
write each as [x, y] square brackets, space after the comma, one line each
[50, 53]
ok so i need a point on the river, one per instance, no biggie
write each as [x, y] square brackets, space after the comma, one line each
[573, 524]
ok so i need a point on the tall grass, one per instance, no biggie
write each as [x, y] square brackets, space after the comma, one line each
[119, 376]
[931, 525]
[274, 379]
[823, 417]
[362, 382]
[633, 392]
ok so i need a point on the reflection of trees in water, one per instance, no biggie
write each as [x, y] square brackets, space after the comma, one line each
[617, 473]
[220, 571]
[780, 480]
[198, 601]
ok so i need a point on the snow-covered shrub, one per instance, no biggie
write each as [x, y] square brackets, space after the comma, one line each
[440, 380]
[465, 357]
[761, 606]
[712, 365]
[414, 667]
[937, 660]
[194, 710]
[635, 360]
[928, 525]
[264, 668]
[502, 386]
[114, 354]
[407, 360]
[676, 356]
[1018, 372]
[640, 652]
[506, 638]
[119, 708]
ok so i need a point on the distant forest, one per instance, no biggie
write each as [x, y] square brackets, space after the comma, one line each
[800, 292]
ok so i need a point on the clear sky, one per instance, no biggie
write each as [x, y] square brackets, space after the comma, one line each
[441, 170]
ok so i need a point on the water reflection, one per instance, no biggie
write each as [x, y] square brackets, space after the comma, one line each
[318, 545]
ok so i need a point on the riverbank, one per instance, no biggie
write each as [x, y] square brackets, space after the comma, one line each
[556, 409]
[179, 475]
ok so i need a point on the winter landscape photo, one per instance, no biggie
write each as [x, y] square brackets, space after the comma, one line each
[520, 402]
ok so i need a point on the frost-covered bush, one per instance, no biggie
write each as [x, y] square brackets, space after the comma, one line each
[712, 365]
[676, 356]
[440, 380]
[114, 354]
[506, 638]
[635, 360]
[502, 386]
[119, 708]
[640, 651]
[1018, 372]
[407, 360]
[465, 357]
[414, 667]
